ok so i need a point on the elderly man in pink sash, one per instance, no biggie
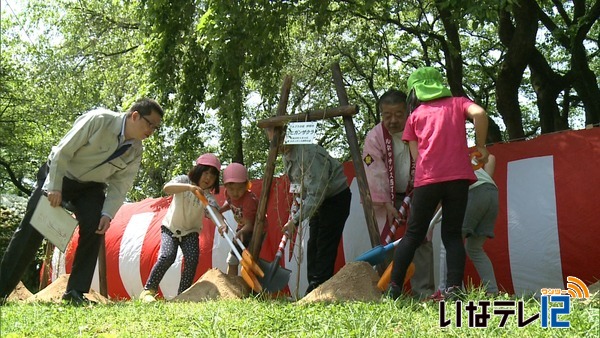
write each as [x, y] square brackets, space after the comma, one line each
[390, 170]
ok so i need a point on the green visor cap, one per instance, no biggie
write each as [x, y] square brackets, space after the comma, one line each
[427, 83]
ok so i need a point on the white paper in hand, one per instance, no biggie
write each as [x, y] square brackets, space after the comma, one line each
[56, 224]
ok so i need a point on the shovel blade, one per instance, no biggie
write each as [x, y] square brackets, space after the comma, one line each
[387, 276]
[373, 256]
[277, 279]
[252, 266]
[251, 280]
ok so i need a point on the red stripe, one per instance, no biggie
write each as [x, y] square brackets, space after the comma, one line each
[112, 240]
[151, 244]
[577, 178]
[207, 237]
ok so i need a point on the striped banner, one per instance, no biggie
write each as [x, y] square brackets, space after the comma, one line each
[546, 228]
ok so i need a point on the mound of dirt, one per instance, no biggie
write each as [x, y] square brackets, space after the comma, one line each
[53, 293]
[20, 293]
[356, 281]
[214, 284]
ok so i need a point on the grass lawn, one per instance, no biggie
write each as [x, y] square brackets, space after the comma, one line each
[258, 317]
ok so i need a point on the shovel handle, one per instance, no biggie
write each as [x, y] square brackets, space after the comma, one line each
[201, 197]
[237, 240]
[473, 157]
[246, 256]
[247, 268]
[436, 218]
[392, 245]
[283, 241]
[402, 211]
[215, 219]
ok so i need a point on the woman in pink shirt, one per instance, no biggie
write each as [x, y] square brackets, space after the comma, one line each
[437, 138]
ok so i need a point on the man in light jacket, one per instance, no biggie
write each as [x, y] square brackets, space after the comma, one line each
[92, 168]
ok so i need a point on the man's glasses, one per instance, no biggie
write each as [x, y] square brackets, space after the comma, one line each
[150, 124]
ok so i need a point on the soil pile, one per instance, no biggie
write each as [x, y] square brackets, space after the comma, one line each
[20, 293]
[53, 293]
[356, 281]
[214, 284]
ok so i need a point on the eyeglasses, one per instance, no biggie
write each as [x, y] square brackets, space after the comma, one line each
[150, 124]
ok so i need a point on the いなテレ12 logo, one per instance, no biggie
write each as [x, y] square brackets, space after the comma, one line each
[549, 314]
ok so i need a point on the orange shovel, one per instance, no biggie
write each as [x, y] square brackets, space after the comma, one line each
[247, 259]
[248, 265]
[387, 276]
[223, 225]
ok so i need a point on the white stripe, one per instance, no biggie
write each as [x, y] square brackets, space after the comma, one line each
[532, 225]
[356, 235]
[58, 264]
[170, 282]
[297, 264]
[221, 248]
[130, 252]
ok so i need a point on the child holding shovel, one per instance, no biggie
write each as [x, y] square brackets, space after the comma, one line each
[243, 203]
[182, 224]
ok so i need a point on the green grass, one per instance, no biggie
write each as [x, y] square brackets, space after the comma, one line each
[256, 317]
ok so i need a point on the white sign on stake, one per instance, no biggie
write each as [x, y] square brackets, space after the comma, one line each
[300, 133]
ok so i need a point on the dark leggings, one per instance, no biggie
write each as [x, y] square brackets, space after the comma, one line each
[168, 253]
[453, 195]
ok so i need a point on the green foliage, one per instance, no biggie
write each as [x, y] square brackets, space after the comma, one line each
[89, 56]
[217, 67]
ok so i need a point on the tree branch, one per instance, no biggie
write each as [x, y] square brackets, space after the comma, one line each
[14, 179]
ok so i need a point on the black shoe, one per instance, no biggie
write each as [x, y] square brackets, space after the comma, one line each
[75, 297]
[453, 293]
[311, 286]
[393, 291]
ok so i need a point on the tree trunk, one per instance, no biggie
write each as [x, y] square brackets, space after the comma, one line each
[519, 41]
[494, 134]
[584, 80]
[547, 85]
[234, 121]
[586, 84]
[452, 51]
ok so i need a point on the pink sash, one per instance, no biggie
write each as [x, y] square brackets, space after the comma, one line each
[389, 230]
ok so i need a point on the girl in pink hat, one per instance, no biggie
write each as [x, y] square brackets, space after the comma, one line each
[182, 224]
[243, 203]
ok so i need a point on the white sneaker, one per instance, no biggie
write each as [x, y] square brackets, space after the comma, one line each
[148, 296]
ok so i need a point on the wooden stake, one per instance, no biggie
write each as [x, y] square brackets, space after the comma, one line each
[315, 115]
[46, 265]
[255, 242]
[361, 177]
[102, 267]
